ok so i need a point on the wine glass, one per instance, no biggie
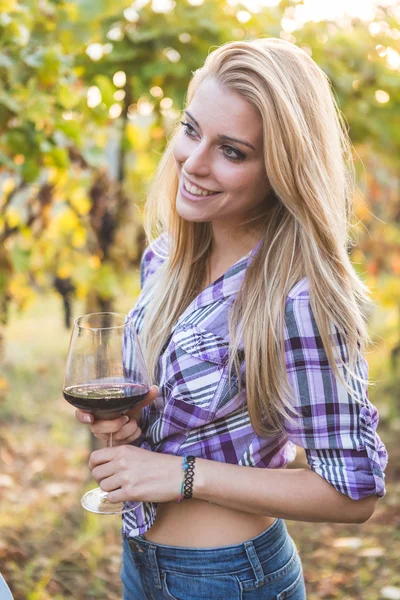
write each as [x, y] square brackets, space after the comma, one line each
[106, 376]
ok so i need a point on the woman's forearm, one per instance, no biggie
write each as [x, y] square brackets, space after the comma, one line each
[295, 494]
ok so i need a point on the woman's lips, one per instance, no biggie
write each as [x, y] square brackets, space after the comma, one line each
[189, 196]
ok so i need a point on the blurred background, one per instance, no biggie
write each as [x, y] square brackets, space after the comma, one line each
[89, 92]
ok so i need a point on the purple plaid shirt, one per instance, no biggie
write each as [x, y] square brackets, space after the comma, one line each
[200, 412]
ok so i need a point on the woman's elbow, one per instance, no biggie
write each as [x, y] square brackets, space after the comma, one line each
[364, 508]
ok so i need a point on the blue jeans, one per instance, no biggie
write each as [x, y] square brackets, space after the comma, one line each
[5, 593]
[266, 567]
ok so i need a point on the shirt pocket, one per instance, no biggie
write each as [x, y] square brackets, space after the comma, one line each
[195, 376]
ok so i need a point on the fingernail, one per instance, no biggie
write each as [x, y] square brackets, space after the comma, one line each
[126, 419]
[87, 419]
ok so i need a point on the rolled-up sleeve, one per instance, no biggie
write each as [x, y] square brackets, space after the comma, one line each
[337, 431]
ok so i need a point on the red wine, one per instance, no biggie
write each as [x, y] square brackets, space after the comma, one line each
[105, 398]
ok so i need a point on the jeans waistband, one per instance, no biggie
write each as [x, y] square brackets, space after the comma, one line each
[214, 560]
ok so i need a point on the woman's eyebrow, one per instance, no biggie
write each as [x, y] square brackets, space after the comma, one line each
[220, 136]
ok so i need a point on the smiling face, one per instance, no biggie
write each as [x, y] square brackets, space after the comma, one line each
[219, 158]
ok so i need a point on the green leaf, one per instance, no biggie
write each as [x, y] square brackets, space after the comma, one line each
[67, 97]
[10, 102]
[20, 259]
[59, 157]
[107, 89]
[30, 170]
[106, 282]
[6, 62]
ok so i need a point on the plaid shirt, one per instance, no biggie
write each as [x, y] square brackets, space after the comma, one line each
[200, 412]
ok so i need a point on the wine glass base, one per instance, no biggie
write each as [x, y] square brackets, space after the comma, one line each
[95, 501]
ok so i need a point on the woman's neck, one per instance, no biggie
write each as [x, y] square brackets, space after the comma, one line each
[228, 247]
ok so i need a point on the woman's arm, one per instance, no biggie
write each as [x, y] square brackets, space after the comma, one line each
[295, 494]
[130, 473]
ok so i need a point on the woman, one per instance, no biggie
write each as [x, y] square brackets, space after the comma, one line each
[251, 320]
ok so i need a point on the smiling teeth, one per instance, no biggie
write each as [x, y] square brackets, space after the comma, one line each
[195, 190]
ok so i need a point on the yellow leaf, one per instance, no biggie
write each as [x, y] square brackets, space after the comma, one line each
[82, 290]
[20, 290]
[80, 201]
[95, 262]
[72, 11]
[8, 185]
[388, 295]
[138, 137]
[8, 5]
[79, 238]
[3, 384]
[64, 272]
[12, 217]
[144, 163]
[67, 221]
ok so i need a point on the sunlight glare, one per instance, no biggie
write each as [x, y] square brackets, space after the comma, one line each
[94, 97]
[163, 6]
[119, 79]
[115, 111]
[382, 97]
[131, 15]
[316, 10]
[95, 51]
[156, 91]
[119, 95]
[392, 58]
[144, 107]
[185, 38]
[243, 16]
[166, 103]
[269, 3]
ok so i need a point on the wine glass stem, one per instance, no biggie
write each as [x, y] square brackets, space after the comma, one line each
[109, 442]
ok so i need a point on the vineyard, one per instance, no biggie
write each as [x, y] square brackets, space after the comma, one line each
[89, 94]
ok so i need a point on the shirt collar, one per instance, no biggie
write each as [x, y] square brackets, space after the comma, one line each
[228, 284]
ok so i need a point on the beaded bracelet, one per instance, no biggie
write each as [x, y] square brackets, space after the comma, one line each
[188, 477]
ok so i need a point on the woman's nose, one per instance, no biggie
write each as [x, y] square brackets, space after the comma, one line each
[198, 161]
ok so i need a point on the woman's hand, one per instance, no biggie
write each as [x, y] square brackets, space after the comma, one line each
[128, 473]
[125, 429]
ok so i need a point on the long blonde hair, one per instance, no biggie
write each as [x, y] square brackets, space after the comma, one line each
[305, 227]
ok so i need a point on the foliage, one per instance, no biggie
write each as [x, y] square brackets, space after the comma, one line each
[90, 91]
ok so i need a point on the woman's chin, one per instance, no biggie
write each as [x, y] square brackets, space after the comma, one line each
[188, 213]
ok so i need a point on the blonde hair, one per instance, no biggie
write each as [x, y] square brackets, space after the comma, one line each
[305, 227]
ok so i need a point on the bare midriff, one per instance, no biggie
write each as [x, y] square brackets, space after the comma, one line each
[199, 524]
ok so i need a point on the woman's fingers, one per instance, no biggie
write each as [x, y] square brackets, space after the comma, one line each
[83, 417]
[129, 432]
[103, 426]
[111, 483]
[136, 412]
[103, 471]
[125, 434]
[125, 429]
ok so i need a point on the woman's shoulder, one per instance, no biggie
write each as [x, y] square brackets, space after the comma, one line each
[154, 255]
[299, 317]
[158, 249]
[300, 291]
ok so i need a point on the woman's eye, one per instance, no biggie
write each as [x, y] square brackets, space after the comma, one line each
[189, 130]
[230, 153]
[233, 154]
